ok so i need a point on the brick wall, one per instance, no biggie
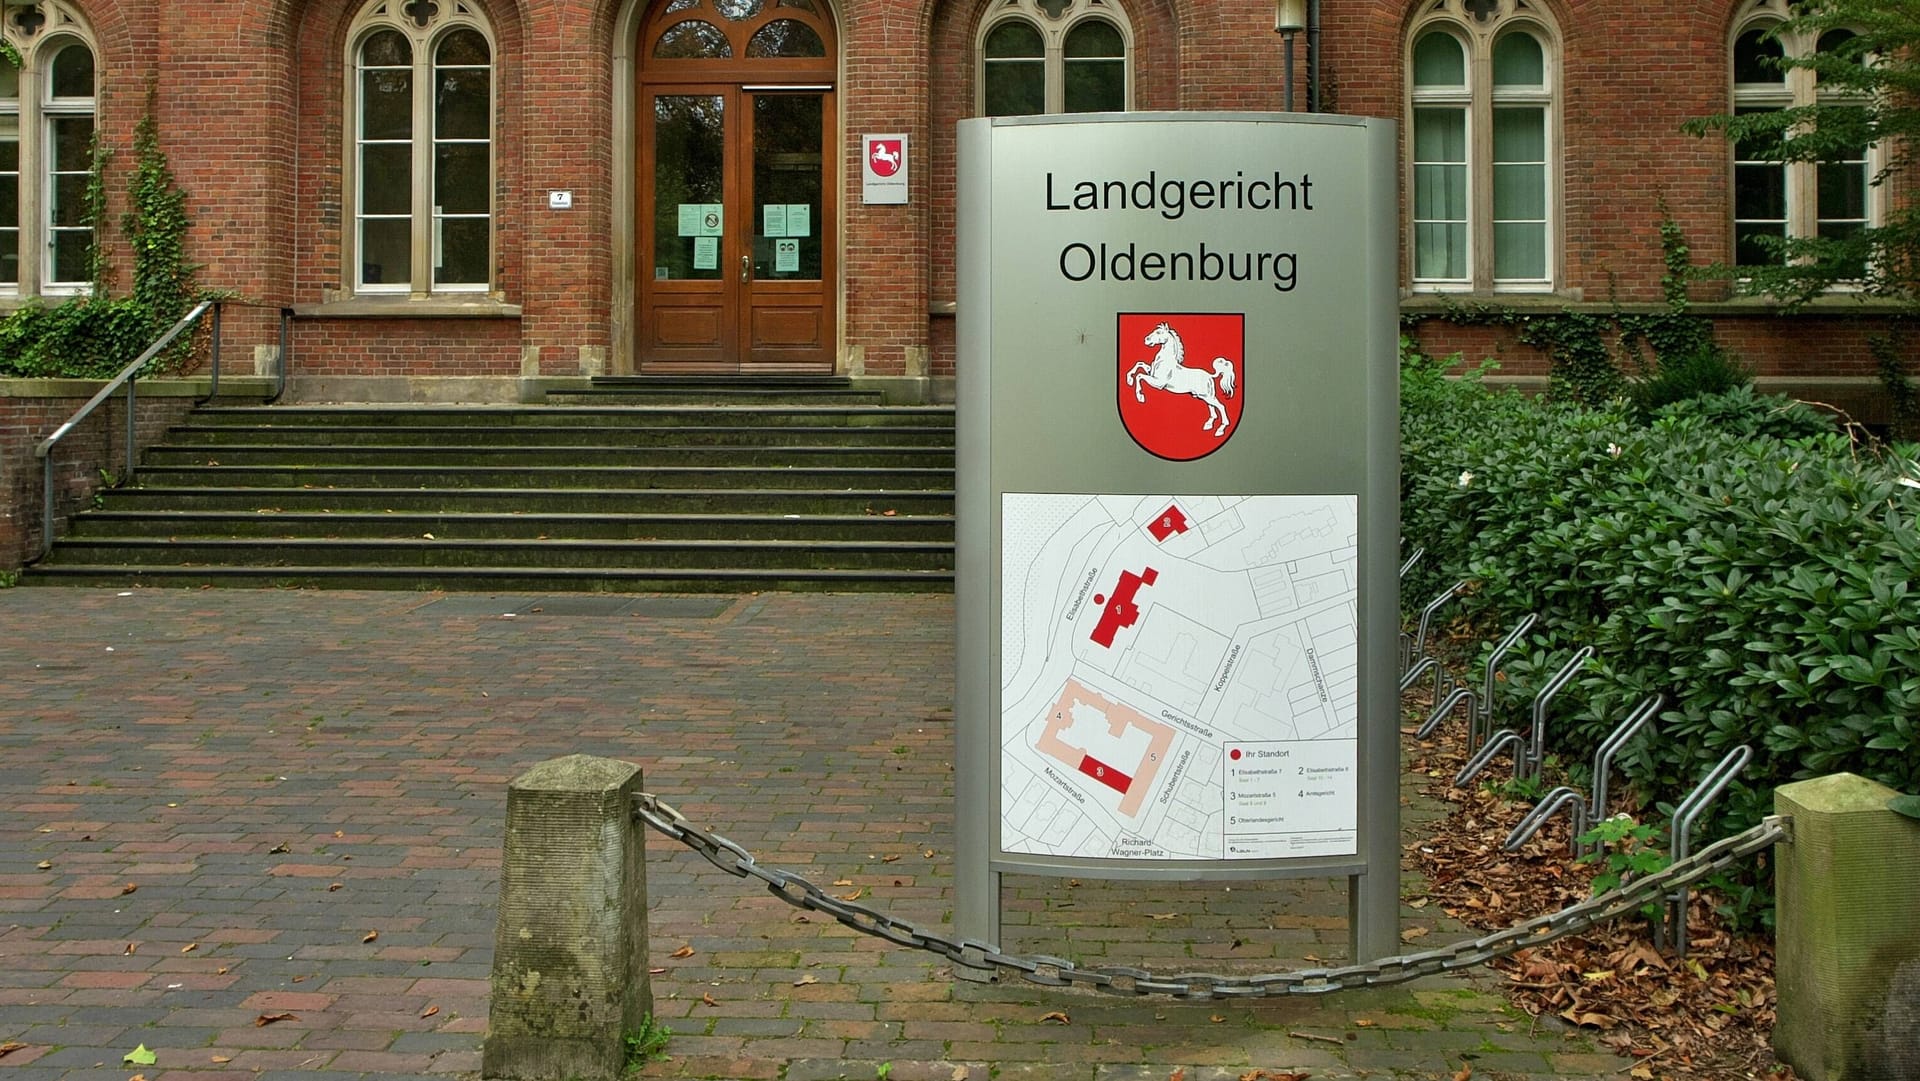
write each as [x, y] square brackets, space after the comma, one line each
[265, 168]
[98, 444]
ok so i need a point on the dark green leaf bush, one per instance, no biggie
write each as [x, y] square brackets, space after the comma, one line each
[1737, 553]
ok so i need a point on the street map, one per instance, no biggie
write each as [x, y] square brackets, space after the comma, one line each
[1178, 676]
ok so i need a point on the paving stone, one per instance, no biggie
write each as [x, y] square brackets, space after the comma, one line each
[814, 729]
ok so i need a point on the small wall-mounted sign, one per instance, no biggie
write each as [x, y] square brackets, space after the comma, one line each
[883, 170]
[559, 200]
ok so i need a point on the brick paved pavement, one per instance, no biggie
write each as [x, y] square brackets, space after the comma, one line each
[223, 805]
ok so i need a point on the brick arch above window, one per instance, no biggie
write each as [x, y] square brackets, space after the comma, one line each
[720, 38]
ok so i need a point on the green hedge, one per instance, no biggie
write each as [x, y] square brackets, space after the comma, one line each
[1737, 553]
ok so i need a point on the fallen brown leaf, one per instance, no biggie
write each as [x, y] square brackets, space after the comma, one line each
[1179, 1074]
[889, 859]
[1217, 1019]
[1414, 933]
[806, 981]
[843, 881]
[10, 1047]
[854, 896]
[222, 1058]
[707, 999]
[656, 971]
[1464, 1073]
[960, 1073]
[1273, 1075]
[928, 853]
[333, 887]
[684, 951]
[266, 1019]
[1163, 915]
[129, 888]
[132, 948]
[45, 865]
[370, 936]
[221, 971]
[138, 1077]
[280, 849]
[1057, 1015]
[190, 947]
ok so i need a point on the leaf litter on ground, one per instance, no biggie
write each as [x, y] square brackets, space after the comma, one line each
[1709, 1019]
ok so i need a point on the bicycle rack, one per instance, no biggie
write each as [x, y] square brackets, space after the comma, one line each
[1531, 753]
[1674, 926]
[1479, 707]
[1418, 648]
[1582, 813]
[1537, 744]
[1406, 640]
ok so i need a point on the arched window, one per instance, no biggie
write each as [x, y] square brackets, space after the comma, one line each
[1833, 198]
[420, 114]
[1481, 104]
[47, 107]
[1054, 56]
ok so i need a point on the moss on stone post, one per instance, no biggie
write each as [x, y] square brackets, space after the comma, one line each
[1847, 937]
[570, 950]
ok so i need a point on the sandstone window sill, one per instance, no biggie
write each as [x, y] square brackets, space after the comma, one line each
[400, 307]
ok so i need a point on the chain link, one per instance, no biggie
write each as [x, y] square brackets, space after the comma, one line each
[1058, 972]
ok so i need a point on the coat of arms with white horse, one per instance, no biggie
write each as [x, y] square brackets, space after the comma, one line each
[1181, 376]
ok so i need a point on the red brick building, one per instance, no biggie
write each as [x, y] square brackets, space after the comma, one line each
[457, 196]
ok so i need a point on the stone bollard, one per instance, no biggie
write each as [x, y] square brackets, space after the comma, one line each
[570, 950]
[1847, 933]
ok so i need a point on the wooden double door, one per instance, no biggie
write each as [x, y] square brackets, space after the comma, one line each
[737, 216]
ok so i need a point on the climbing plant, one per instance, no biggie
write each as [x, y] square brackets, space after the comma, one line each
[96, 335]
[1648, 359]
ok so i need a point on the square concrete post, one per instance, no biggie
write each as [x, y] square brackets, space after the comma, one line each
[1847, 933]
[570, 950]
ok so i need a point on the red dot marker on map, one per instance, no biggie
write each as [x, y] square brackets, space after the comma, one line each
[1234, 754]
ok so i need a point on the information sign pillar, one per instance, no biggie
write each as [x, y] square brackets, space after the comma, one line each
[1177, 505]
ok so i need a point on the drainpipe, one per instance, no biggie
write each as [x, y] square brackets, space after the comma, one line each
[1313, 56]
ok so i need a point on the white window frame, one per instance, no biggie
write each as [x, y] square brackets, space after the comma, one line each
[1478, 35]
[34, 110]
[1053, 36]
[424, 216]
[1797, 86]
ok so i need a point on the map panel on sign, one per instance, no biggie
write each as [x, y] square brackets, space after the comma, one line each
[1179, 676]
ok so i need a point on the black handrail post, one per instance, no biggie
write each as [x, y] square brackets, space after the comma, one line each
[46, 504]
[280, 362]
[213, 384]
[131, 435]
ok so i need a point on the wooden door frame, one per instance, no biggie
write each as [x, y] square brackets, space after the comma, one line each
[631, 74]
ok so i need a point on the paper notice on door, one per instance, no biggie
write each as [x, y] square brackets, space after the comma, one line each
[706, 252]
[799, 220]
[786, 256]
[700, 219]
[773, 220]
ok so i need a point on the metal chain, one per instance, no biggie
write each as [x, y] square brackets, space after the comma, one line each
[1059, 972]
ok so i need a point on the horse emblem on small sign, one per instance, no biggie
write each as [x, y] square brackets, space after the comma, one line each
[1173, 408]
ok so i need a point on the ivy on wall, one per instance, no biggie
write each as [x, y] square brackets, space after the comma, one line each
[1649, 359]
[94, 336]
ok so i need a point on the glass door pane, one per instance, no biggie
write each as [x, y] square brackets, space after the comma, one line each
[689, 184]
[787, 160]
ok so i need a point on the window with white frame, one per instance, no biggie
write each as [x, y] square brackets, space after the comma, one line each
[1481, 75]
[420, 142]
[1833, 198]
[47, 107]
[1054, 56]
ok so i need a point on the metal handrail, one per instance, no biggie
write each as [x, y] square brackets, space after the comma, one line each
[44, 451]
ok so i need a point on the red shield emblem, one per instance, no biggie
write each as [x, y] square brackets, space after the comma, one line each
[884, 156]
[1181, 381]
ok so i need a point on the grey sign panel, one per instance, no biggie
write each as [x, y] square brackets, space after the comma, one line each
[1178, 499]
